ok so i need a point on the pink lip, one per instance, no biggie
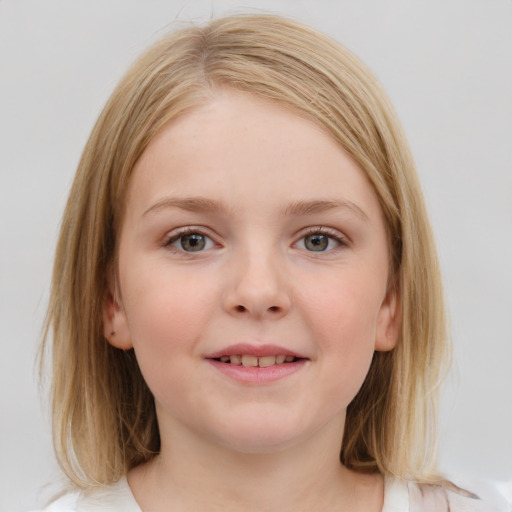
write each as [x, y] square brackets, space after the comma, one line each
[253, 350]
[255, 374]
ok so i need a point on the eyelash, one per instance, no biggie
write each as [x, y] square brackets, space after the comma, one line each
[315, 230]
[175, 237]
[332, 234]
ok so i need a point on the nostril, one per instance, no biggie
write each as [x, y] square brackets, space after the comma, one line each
[273, 308]
[240, 308]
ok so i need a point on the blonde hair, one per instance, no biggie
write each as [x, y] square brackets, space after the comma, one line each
[103, 413]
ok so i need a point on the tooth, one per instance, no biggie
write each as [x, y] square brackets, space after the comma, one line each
[224, 359]
[236, 360]
[280, 359]
[249, 360]
[266, 361]
[289, 359]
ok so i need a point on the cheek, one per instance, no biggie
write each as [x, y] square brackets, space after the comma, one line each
[342, 317]
[166, 313]
[345, 309]
[167, 316]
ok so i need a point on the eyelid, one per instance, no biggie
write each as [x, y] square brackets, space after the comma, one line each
[174, 235]
[332, 233]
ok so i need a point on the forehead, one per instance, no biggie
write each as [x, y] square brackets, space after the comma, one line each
[242, 122]
[236, 146]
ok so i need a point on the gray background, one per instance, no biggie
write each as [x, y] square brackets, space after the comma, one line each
[447, 65]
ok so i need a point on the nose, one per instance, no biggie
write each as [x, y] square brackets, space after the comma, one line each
[257, 287]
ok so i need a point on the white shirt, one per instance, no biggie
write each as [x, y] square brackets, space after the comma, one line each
[399, 496]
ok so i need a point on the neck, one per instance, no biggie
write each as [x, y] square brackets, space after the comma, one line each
[191, 474]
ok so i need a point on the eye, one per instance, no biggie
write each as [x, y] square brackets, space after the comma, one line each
[191, 242]
[319, 241]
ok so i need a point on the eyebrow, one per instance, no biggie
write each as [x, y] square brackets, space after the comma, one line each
[320, 206]
[191, 204]
[205, 205]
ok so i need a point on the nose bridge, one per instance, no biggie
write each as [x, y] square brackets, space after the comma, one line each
[258, 284]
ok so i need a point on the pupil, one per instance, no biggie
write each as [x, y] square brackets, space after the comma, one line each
[194, 242]
[317, 242]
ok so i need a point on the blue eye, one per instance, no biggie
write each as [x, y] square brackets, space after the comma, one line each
[319, 242]
[191, 242]
[316, 242]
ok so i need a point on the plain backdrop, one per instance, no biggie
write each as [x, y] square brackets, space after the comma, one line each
[447, 65]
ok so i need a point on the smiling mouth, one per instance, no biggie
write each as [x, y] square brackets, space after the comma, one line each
[249, 361]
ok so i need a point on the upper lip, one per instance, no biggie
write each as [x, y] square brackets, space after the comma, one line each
[254, 350]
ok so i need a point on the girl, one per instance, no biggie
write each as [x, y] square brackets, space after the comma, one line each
[246, 307]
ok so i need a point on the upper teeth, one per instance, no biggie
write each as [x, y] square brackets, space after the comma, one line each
[262, 362]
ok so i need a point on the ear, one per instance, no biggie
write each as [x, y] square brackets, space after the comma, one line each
[115, 324]
[389, 320]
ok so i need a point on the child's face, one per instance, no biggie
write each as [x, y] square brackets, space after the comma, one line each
[249, 232]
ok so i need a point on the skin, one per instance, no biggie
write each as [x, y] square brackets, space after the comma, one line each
[260, 184]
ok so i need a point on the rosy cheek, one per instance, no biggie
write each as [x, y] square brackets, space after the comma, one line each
[345, 315]
[167, 310]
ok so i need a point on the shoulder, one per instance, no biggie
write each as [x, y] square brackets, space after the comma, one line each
[487, 497]
[111, 498]
[403, 496]
[66, 503]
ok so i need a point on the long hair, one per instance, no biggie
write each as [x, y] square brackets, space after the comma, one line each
[104, 420]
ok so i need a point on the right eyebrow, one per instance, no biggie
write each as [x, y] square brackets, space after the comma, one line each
[191, 204]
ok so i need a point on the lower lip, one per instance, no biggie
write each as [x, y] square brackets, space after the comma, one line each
[255, 374]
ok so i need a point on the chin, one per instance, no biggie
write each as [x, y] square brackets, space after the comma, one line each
[255, 436]
[263, 445]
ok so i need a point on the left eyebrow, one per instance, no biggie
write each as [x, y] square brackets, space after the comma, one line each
[320, 206]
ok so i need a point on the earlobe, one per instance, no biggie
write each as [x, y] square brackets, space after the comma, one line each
[115, 325]
[389, 321]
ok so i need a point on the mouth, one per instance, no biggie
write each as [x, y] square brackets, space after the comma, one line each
[256, 364]
[250, 361]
